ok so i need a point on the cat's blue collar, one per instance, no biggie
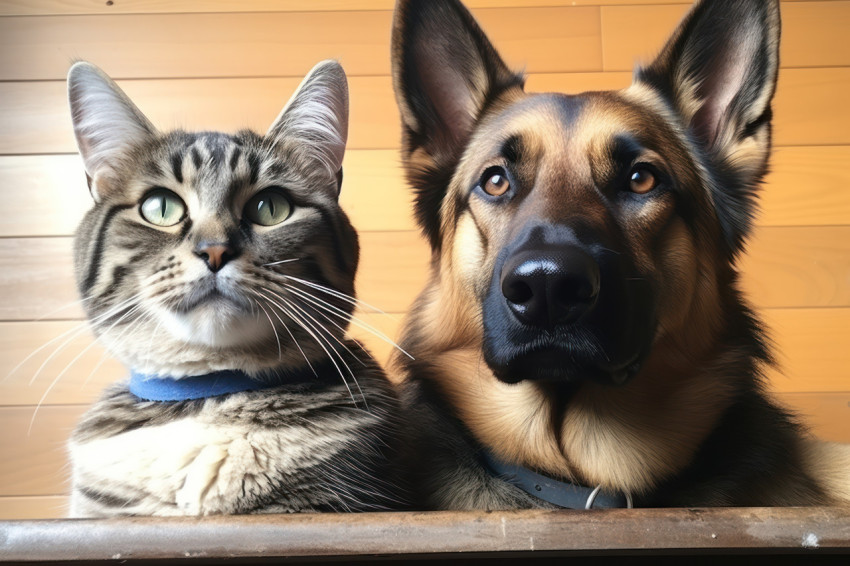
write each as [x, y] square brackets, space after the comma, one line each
[157, 388]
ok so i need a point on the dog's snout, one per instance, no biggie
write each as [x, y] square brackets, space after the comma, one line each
[550, 286]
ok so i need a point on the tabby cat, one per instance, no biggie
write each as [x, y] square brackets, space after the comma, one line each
[220, 270]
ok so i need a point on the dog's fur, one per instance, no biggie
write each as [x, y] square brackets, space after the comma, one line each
[647, 379]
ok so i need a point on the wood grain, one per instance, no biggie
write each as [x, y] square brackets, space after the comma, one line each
[34, 507]
[813, 33]
[542, 40]
[34, 118]
[80, 7]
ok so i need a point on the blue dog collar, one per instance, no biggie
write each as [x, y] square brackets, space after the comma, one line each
[563, 494]
[156, 388]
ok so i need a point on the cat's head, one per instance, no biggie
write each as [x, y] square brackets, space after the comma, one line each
[208, 251]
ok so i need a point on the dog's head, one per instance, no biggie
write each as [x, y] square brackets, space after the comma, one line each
[576, 223]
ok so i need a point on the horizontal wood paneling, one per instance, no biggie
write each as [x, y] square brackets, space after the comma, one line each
[35, 507]
[79, 7]
[786, 267]
[809, 349]
[35, 463]
[274, 44]
[34, 118]
[813, 33]
[46, 195]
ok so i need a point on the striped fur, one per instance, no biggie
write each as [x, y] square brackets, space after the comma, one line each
[282, 301]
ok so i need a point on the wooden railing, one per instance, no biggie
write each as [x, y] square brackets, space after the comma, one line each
[806, 532]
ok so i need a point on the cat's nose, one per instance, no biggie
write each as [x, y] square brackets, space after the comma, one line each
[216, 255]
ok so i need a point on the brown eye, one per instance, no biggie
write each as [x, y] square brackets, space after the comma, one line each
[642, 180]
[496, 184]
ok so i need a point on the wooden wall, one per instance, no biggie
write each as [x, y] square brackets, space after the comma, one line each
[228, 64]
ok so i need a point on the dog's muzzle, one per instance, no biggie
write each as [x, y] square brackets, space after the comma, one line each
[562, 309]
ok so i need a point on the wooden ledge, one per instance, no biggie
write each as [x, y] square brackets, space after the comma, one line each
[814, 531]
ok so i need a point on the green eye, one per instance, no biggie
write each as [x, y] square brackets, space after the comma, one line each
[268, 207]
[161, 207]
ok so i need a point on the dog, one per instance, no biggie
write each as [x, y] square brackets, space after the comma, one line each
[581, 341]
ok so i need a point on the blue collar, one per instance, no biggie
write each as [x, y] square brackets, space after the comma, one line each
[562, 494]
[156, 388]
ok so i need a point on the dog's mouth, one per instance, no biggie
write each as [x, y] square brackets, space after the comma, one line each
[561, 365]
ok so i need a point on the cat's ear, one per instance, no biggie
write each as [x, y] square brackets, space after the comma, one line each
[107, 124]
[719, 72]
[315, 119]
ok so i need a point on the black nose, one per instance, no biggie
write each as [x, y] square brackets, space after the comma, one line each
[550, 285]
[216, 254]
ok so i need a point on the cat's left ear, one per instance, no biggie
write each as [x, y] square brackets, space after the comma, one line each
[315, 120]
[107, 124]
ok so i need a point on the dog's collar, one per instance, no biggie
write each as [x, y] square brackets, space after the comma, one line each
[563, 494]
[159, 388]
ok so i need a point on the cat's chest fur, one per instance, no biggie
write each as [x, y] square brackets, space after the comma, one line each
[281, 450]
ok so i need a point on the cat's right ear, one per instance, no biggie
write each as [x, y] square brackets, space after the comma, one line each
[315, 120]
[106, 122]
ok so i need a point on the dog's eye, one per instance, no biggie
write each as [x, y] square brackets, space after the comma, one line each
[642, 180]
[496, 184]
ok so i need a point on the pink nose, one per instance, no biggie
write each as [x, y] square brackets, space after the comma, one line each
[215, 255]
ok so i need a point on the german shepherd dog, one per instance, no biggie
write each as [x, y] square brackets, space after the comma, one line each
[582, 325]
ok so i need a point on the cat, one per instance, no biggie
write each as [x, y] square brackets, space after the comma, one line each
[220, 270]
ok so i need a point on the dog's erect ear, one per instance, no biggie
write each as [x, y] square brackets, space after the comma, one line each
[107, 124]
[445, 71]
[719, 70]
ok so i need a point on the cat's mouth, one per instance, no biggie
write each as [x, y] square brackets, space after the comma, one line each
[210, 292]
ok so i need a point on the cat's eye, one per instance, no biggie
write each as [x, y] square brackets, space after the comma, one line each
[268, 207]
[495, 182]
[642, 179]
[162, 207]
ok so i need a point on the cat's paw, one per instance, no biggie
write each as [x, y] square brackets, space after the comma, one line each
[201, 475]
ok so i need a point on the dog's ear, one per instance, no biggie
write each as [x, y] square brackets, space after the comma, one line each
[719, 71]
[445, 71]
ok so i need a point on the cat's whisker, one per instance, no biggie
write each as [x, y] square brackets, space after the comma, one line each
[274, 330]
[336, 293]
[292, 336]
[281, 261]
[76, 330]
[78, 302]
[316, 325]
[319, 324]
[360, 323]
[103, 357]
[308, 328]
[313, 305]
[68, 367]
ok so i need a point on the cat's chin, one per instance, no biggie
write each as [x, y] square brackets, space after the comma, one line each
[218, 325]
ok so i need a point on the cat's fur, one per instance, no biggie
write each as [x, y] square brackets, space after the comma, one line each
[157, 304]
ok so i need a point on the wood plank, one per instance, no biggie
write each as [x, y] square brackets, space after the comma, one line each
[46, 195]
[826, 414]
[485, 535]
[554, 39]
[813, 34]
[34, 507]
[34, 118]
[798, 267]
[88, 7]
[82, 369]
[811, 349]
[807, 186]
[34, 459]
